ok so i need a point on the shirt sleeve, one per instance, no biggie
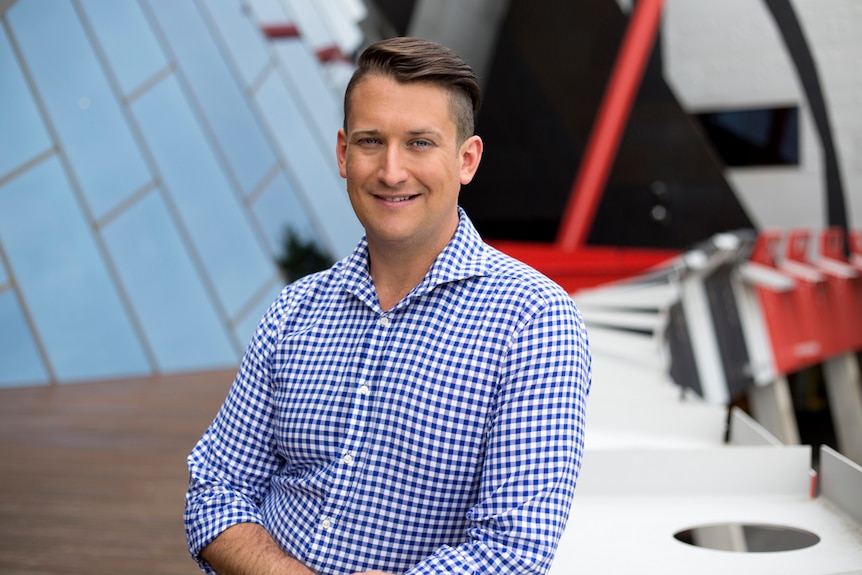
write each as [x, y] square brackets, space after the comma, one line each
[534, 451]
[231, 465]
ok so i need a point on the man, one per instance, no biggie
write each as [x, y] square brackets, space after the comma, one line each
[418, 407]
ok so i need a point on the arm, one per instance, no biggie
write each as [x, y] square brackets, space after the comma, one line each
[533, 451]
[230, 470]
[248, 549]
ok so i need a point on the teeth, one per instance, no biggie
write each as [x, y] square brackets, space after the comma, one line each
[399, 199]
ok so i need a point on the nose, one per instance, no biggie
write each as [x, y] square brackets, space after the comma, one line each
[392, 170]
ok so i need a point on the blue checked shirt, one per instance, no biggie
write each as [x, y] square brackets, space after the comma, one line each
[442, 436]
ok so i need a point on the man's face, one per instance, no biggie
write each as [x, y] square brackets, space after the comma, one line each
[403, 165]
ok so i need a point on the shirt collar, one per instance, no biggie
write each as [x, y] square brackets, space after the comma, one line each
[462, 258]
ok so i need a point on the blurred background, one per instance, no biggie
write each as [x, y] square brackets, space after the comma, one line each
[167, 166]
[155, 156]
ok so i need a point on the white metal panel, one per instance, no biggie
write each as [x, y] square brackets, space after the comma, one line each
[629, 504]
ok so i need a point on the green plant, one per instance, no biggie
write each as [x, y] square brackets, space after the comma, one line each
[301, 257]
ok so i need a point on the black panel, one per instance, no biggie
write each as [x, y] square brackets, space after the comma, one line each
[728, 331]
[666, 188]
[544, 85]
[521, 187]
[683, 366]
[397, 13]
[762, 137]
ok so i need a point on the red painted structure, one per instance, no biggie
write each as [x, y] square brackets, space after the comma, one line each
[820, 317]
[814, 301]
[588, 266]
[844, 285]
[792, 333]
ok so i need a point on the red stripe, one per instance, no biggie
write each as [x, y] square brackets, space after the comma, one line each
[610, 122]
[331, 54]
[273, 31]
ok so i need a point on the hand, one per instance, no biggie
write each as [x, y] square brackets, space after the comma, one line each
[247, 548]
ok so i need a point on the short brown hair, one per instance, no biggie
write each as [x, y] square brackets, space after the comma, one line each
[407, 60]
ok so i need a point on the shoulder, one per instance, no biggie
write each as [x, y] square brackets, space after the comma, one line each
[306, 292]
[516, 279]
[296, 304]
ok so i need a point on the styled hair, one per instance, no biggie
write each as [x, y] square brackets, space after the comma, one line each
[408, 60]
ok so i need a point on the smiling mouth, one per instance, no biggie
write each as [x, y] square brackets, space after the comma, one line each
[397, 198]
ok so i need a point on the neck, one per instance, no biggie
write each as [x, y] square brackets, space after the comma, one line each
[396, 267]
[396, 273]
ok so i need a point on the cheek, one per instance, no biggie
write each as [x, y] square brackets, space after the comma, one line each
[357, 168]
[434, 173]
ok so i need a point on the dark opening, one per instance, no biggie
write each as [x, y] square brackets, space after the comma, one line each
[765, 137]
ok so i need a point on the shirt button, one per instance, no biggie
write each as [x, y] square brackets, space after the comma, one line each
[384, 321]
[348, 458]
[326, 523]
[363, 389]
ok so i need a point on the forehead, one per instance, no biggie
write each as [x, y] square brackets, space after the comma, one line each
[378, 98]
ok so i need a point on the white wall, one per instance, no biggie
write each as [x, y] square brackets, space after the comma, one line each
[729, 54]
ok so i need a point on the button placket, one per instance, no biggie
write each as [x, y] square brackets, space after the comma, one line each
[348, 465]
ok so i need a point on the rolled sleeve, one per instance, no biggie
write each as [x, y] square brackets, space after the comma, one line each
[231, 466]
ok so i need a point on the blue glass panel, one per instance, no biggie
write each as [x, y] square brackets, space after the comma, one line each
[269, 11]
[234, 258]
[62, 276]
[87, 117]
[22, 134]
[218, 91]
[20, 363]
[277, 209]
[318, 95]
[179, 318]
[127, 41]
[245, 41]
[247, 325]
[4, 277]
[315, 172]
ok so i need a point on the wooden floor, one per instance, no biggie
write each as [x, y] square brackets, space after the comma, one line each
[92, 475]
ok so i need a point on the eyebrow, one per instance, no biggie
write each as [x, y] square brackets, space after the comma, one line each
[425, 131]
[419, 132]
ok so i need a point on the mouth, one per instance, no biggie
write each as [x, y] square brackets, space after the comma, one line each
[396, 199]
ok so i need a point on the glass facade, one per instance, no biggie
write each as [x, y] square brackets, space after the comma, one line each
[152, 156]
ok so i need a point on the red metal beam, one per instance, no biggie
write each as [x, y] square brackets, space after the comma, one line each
[610, 122]
[586, 267]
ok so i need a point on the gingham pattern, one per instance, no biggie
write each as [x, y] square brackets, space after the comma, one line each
[443, 436]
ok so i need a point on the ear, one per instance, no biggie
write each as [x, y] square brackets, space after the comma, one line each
[471, 155]
[341, 152]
